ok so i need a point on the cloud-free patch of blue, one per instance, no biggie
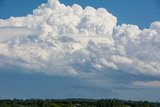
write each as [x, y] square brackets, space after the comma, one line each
[10, 8]
[19, 85]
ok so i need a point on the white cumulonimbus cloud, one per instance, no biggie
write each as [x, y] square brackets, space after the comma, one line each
[69, 40]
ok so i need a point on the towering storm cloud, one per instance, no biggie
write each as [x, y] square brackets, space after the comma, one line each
[85, 43]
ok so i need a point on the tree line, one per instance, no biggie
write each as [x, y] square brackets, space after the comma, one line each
[75, 103]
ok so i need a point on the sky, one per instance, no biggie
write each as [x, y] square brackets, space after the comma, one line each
[138, 12]
[57, 50]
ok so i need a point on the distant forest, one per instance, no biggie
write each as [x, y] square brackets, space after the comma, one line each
[76, 103]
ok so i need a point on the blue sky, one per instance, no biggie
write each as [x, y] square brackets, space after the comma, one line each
[124, 64]
[139, 12]
[23, 86]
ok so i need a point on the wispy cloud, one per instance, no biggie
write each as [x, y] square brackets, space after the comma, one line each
[147, 84]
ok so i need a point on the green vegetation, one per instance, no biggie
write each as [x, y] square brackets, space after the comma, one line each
[76, 103]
